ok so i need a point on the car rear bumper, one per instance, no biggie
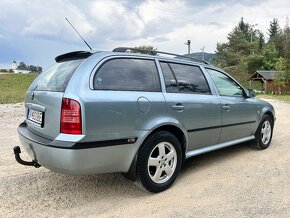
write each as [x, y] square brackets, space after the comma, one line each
[78, 158]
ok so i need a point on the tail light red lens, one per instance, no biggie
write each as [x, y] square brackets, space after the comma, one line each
[70, 119]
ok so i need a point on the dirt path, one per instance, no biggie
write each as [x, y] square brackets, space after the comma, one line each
[234, 182]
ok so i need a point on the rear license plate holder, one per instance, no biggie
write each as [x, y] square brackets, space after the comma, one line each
[35, 117]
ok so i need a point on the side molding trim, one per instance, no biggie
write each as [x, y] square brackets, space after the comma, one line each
[202, 150]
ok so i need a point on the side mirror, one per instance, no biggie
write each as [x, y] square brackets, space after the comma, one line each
[251, 93]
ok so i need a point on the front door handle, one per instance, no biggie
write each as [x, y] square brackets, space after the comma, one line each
[178, 107]
[226, 107]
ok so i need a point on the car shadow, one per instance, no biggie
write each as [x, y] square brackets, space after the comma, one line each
[207, 159]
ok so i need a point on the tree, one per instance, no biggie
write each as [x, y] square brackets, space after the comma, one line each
[246, 51]
[270, 55]
[146, 49]
[245, 29]
[32, 68]
[22, 64]
[241, 54]
[276, 37]
[39, 69]
[286, 47]
[275, 29]
[280, 78]
[261, 41]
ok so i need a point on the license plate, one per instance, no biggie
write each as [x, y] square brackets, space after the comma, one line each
[35, 116]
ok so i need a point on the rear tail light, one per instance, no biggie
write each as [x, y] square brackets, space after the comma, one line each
[70, 119]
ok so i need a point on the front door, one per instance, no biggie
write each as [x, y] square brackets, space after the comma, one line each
[239, 113]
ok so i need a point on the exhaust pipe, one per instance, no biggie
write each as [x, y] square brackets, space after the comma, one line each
[17, 151]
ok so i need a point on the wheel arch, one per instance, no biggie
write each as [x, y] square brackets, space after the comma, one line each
[173, 129]
[270, 114]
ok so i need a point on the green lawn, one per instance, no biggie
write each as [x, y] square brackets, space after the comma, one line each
[14, 86]
[283, 97]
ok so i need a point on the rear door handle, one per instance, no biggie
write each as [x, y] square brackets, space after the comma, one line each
[178, 107]
[226, 107]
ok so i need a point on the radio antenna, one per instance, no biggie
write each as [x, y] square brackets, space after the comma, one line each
[79, 34]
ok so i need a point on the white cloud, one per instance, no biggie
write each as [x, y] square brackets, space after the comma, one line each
[113, 21]
[45, 18]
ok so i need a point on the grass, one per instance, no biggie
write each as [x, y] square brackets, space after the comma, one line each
[14, 86]
[282, 97]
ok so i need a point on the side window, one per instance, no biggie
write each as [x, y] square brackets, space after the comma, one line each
[170, 81]
[224, 84]
[127, 74]
[190, 79]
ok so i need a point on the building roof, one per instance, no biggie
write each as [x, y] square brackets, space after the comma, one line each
[266, 74]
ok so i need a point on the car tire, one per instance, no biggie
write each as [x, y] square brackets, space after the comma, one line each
[159, 161]
[264, 133]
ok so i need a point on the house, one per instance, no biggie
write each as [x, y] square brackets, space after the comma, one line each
[20, 68]
[266, 77]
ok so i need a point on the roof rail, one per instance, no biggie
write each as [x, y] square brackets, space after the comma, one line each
[128, 49]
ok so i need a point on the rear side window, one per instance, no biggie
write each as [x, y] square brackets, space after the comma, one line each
[56, 77]
[170, 81]
[190, 79]
[128, 75]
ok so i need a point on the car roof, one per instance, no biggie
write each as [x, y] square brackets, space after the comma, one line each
[85, 54]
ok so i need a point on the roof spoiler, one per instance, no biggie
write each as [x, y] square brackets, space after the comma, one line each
[73, 56]
[128, 49]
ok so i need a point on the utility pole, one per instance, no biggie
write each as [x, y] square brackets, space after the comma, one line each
[202, 50]
[188, 46]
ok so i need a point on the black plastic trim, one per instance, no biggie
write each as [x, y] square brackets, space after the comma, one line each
[97, 144]
[22, 130]
[221, 126]
[73, 56]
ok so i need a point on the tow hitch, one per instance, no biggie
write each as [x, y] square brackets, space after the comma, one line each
[17, 151]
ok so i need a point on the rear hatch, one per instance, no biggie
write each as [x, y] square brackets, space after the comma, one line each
[44, 98]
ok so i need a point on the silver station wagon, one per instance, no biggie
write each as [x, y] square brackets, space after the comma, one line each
[142, 115]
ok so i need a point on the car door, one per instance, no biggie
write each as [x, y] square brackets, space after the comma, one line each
[239, 113]
[126, 95]
[190, 101]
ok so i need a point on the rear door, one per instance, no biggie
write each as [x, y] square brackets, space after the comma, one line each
[44, 98]
[189, 100]
[239, 113]
[125, 96]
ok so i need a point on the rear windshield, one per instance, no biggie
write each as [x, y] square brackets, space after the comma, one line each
[56, 77]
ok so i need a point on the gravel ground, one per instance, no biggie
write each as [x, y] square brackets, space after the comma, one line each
[234, 182]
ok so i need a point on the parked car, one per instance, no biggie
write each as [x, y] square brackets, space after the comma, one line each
[143, 115]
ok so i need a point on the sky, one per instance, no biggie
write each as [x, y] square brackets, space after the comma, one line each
[35, 31]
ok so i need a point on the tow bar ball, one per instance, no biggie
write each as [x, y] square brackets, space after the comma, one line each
[17, 151]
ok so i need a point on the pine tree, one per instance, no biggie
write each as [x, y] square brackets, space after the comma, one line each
[261, 41]
[245, 28]
[275, 29]
[276, 36]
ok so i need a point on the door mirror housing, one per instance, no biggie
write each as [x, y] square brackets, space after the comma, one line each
[251, 93]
